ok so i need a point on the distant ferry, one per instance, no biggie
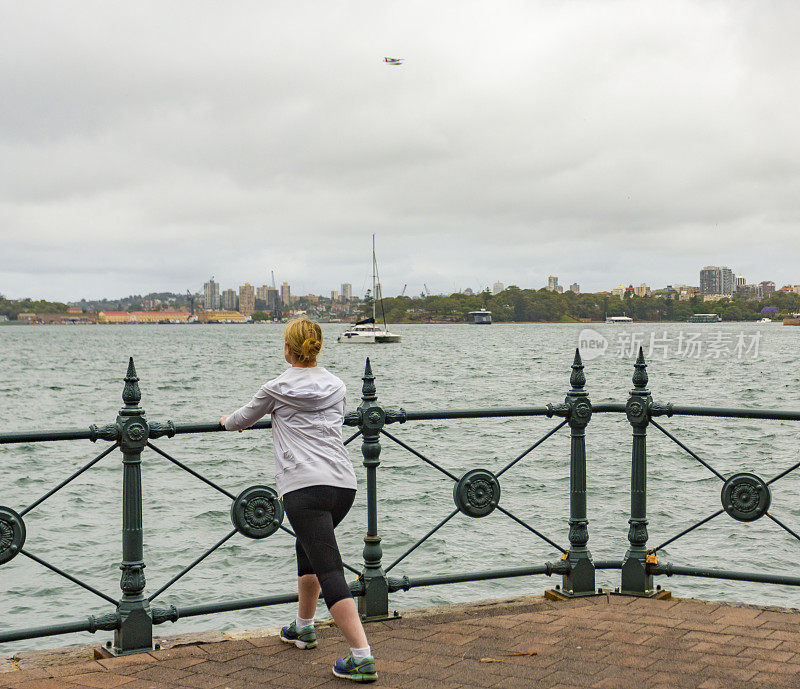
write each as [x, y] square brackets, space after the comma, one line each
[618, 319]
[482, 317]
[705, 318]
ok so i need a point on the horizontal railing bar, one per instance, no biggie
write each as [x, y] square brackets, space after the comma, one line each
[602, 407]
[463, 577]
[231, 605]
[475, 413]
[213, 427]
[776, 414]
[599, 407]
[756, 577]
[84, 625]
[44, 436]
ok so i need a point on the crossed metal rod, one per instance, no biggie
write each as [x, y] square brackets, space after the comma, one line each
[454, 478]
[707, 519]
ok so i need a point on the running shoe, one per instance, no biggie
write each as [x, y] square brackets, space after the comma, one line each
[304, 638]
[347, 668]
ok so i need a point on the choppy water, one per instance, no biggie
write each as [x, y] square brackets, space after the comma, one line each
[64, 377]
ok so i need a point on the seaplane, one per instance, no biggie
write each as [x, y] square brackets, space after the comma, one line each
[393, 60]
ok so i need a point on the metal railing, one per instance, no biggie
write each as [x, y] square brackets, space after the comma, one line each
[257, 513]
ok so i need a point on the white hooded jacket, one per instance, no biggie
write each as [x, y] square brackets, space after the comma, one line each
[307, 408]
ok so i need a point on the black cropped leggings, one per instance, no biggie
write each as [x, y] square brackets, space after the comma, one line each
[314, 512]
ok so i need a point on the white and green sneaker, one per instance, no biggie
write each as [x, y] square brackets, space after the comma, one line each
[304, 638]
[348, 668]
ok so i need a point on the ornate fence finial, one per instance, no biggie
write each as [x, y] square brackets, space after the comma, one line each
[577, 378]
[640, 375]
[131, 395]
[368, 390]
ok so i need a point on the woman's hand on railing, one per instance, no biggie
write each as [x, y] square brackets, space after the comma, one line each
[222, 421]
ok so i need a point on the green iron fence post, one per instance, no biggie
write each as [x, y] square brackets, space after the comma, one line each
[580, 579]
[135, 633]
[635, 578]
[375, 601]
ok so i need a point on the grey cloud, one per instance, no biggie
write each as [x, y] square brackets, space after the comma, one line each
[606, 142]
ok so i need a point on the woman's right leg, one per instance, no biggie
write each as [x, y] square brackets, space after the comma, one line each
[313, 515]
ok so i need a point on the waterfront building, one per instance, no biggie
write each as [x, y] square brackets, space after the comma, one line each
[498, 287]
[334, 296]
[575, 287]
[346, 291]
[767, 287]
[211, 294]
[142, 316]
[261, 292]
[552, 283]
[618, 291]
[229, 300]
[247, 299]
[73, 316]
[642, 290]
[717, 280]
[221, 316]
[286, 294]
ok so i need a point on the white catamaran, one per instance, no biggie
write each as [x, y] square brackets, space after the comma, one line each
[367, 330]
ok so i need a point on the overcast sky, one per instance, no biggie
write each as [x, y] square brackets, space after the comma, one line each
[145, 146]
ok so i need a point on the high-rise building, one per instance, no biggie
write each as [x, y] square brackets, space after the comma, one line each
[575, 287]
[346, 292]
[740, 283]
[642, 290]
[211, 295]
[498, 287]
[378, 291]
[334, 296]
[552, 283]
[247, 299]
[229, 300]
[286, 294]
[261, 292]
[717, 280]
[618, 291]
[273, 300]
[767, 287]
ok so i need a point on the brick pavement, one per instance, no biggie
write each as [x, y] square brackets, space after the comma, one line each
[602, 642]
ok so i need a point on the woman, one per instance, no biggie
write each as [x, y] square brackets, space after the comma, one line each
[317, 484]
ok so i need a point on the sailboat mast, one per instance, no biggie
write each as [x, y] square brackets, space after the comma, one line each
[374, 296]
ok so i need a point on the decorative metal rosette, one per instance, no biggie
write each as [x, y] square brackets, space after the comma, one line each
[12, 534]
[477, 493]
[257, 512]
[746, 497]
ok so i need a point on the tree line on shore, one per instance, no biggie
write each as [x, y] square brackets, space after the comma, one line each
[525, 305]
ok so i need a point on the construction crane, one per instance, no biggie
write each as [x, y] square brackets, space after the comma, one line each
[190, 297]
[427, 291]
[403, 293]
[276, 312]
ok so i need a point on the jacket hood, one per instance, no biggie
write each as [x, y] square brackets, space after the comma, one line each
[307, 388]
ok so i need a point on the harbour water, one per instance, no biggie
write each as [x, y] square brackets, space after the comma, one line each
[70, 376]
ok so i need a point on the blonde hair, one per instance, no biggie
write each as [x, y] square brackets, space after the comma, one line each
[304, 338]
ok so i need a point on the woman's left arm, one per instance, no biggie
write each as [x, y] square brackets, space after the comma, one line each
[262, 403]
